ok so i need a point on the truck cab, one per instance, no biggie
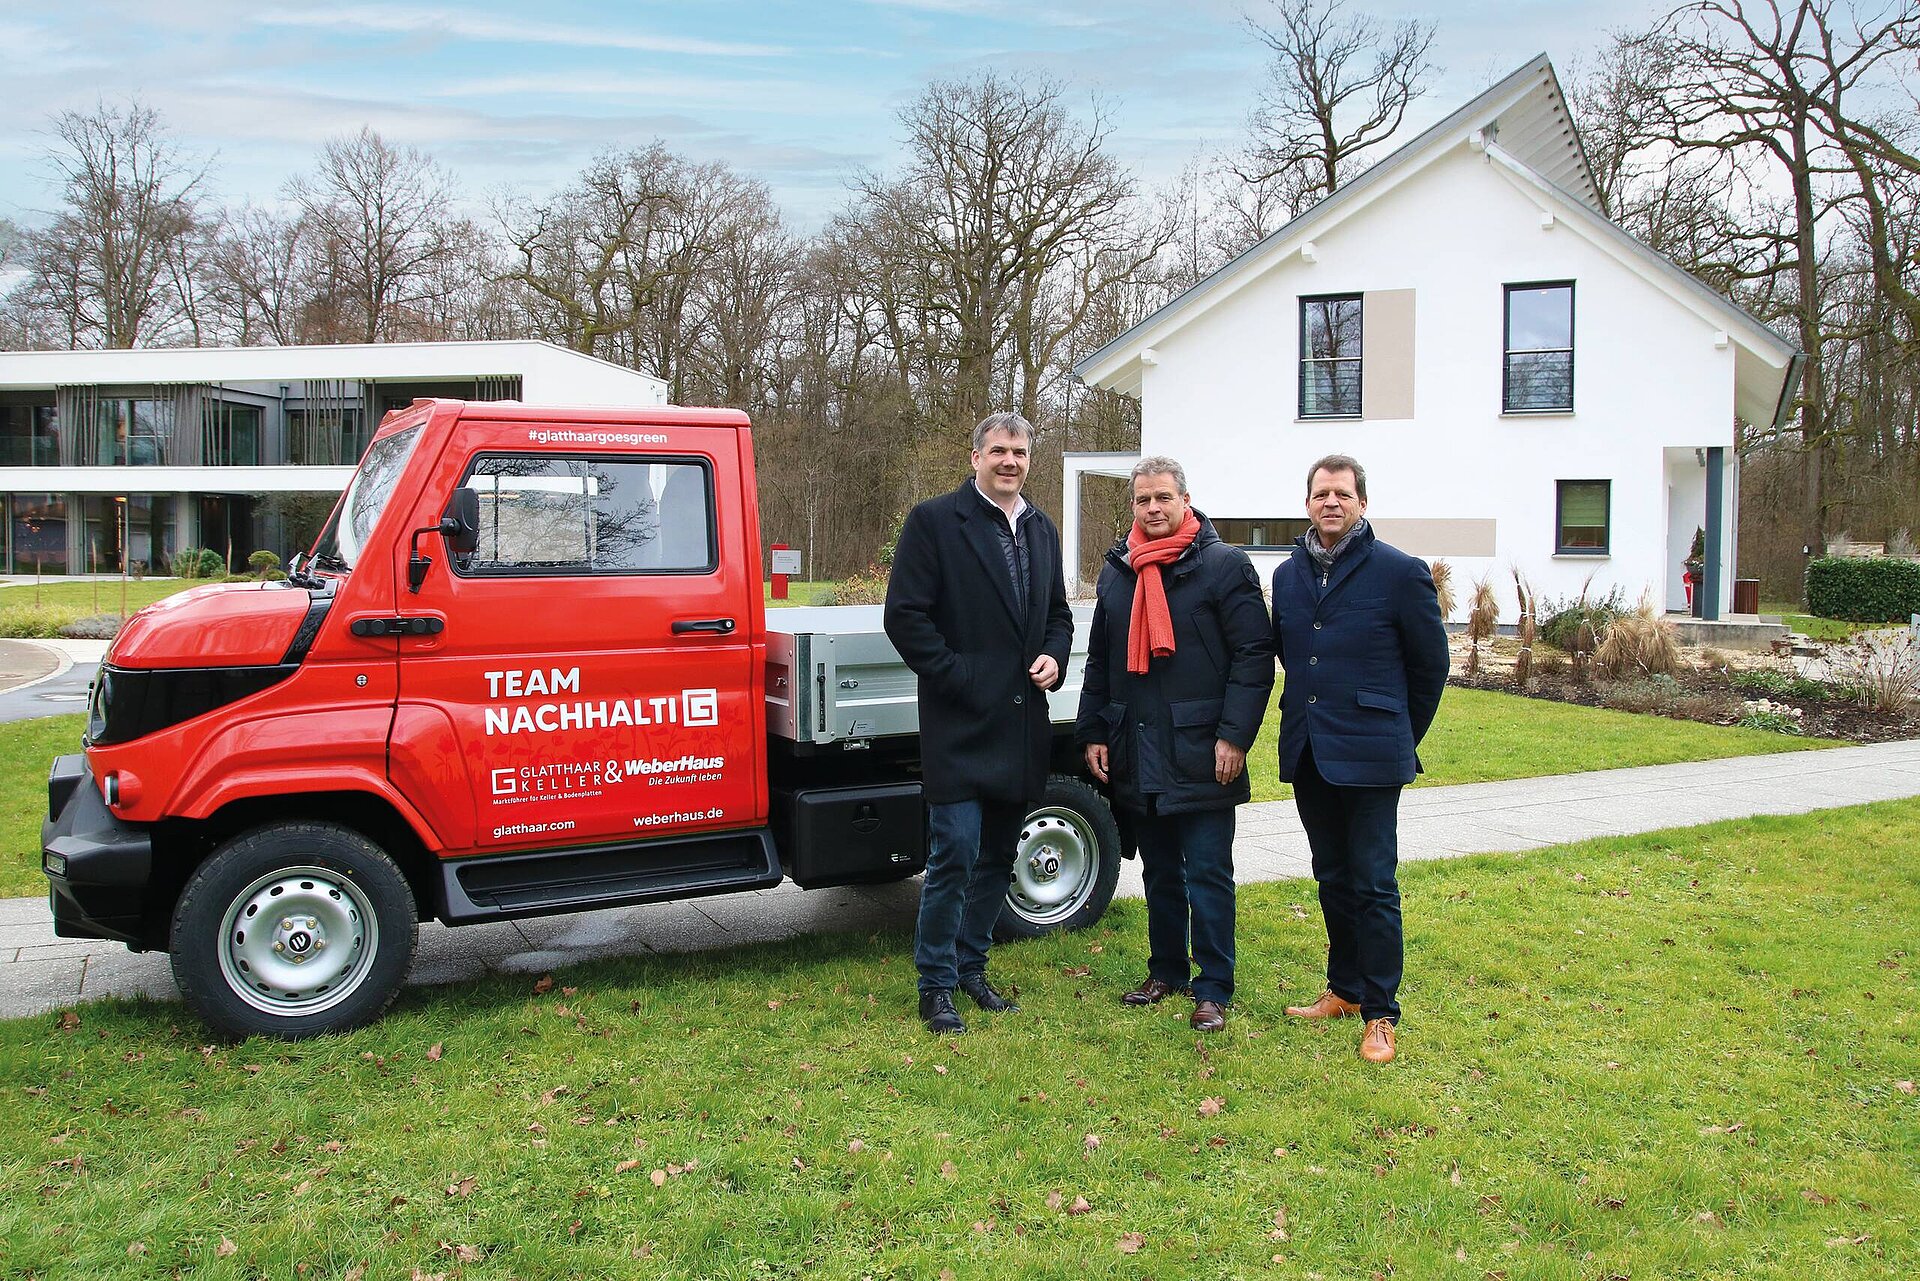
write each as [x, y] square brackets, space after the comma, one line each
[524, 670]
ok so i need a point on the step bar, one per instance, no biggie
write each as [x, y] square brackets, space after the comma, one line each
[502, 887]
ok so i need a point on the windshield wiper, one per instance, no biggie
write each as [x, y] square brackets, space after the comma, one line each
[327, 560]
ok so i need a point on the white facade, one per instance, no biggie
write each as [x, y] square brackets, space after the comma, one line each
[1661, 366]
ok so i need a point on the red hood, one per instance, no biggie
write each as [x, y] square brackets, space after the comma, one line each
[220, 625]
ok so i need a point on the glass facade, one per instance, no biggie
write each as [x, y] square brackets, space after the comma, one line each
[29, 436]
[131, 532]
[37, 533]
[232, 435]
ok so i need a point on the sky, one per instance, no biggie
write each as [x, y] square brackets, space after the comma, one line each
[803, 96]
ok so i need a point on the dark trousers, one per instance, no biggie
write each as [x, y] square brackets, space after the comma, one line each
[1354, 834]
[1186, 861]
[969, 863]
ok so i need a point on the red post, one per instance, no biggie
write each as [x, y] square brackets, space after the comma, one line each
[779, 579]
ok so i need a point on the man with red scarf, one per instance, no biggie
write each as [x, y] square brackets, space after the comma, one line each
[1179, 670]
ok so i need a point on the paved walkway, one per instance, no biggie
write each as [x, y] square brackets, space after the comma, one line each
[40, 972]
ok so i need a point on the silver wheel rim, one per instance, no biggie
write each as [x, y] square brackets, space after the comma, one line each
[297, 941]
[1055, 866]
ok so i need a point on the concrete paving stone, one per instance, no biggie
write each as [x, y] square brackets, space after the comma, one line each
[60, 951]
[473, 947]
[747, 927]
[32, 910]
[123, 973]
[37, 934]
[28, 987]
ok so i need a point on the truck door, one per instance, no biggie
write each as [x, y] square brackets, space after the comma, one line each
[593, 673]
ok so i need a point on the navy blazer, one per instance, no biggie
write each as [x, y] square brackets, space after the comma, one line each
[1365, 655]
[985, 732]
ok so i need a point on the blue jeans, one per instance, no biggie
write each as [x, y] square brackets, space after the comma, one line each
[1186, 861]
[1354, 834]
[969, 864]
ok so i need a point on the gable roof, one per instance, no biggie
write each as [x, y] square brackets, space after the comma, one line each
[1522, 121]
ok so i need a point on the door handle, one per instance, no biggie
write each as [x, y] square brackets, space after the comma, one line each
[723, 626]
[423, 626]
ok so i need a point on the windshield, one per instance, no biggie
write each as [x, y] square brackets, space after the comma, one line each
[352, 522]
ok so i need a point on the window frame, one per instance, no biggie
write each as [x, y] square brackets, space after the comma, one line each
[1230, 521]
[1559, 518]
[705, 465]
[1300, 382]
[1507, 349]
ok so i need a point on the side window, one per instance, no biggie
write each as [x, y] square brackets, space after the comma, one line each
[573, 515]
[1538, 370]
[1330, 357]
[1582, 522]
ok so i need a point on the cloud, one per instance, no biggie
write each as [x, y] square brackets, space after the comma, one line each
[469, 26]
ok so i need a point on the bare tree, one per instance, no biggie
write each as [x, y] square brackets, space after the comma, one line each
[98, 273]
[1769, 95]
[256, 270]
[380, 224]
[1337, 86]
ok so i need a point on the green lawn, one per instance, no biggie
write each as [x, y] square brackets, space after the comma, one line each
[799, 593]
[1810, 625]
[1480, 736]
[1687, 1054]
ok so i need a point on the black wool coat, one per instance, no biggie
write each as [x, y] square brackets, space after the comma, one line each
[1160, 727]
[984, 729]
[1365, 654]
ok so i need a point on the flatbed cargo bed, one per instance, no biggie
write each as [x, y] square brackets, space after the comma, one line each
[834, 677]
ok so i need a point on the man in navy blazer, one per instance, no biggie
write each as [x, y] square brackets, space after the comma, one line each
[1357, 628]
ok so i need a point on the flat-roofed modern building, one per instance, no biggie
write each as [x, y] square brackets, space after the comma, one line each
[119, 459]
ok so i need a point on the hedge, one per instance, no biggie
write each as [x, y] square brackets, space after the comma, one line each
[1863, 589]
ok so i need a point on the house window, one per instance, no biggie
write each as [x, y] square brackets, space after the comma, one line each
[1259, 531]
[1581, 518]
[1539, 348]
[1330, 357]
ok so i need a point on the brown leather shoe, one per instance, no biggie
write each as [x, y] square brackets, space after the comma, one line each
[1208, 1016]
[1152, 992]
[1376, 1043]
[1327, 1006]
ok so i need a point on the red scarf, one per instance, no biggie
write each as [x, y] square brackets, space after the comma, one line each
[1150, 629]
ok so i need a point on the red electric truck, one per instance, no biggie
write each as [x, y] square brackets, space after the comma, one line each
[526, 669]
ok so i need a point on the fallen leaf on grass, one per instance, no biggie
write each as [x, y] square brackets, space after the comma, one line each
[1280, 1224]
[1211, 1107]
[1905, 1087]
[543, 985]
[856, 1145]
[1080, 1206]
[1454, 1178]
[550, 1095]
[1131, 1242]
[1054, 1200]
[1733, 1128]
[435, 1051]
[69, 1020]
[463, 1253]
[949, 1171]
[1709, 1218]
[461, 1187]
[1834, 1242]
[1091, 1142]
[627, 1166]
[1815, 1198]
[226, 1248]
[138, 1248]
[659, 1178]
[355, 1273]
[333, 1145]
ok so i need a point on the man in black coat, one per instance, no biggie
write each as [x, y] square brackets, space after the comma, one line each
[977, 606]
[1179, 670]
[1357, 626]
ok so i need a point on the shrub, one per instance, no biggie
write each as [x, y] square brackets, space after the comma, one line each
[1560, 620]
[1714, 709]
[1775, 721]
[92, 627]
[1443, 589]
[198, 562]
[39, 621]
[1863, 589]
[1640, 643]
[1482, 621]
[868, 587]
[1655, 694]
[1900, 543]
[1549, 662]
[1880, 669]
[1765, 681]
[263, 563]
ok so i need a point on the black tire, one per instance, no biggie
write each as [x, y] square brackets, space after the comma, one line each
[1065, 866]
[335, 957]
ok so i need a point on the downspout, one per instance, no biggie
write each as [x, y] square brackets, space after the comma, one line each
[1711, 553]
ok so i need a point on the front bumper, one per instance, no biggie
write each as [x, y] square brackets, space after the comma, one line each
[98, 869]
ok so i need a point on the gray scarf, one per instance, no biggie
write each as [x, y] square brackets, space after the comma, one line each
[1325, 556]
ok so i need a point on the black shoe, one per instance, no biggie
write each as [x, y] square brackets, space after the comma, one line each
[985, 997]
[937, 1012]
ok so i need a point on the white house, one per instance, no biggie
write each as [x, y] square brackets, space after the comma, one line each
[121, 458]
[1527, 385]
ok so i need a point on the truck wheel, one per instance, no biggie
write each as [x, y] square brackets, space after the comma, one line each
[292, 930]
[1065, 866]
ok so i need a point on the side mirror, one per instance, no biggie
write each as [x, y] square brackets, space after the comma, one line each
[460, 525]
